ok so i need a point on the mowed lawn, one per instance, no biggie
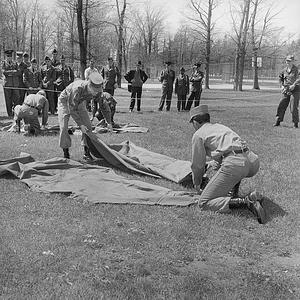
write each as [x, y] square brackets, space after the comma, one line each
[54, 247]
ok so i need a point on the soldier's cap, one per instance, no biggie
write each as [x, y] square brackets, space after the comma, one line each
[96, 80]
[25, 54]
[47, 58]
[168, 63]
[182, 69]
[198, 111]
[9, 52]
[198, 64]
[34, 61]
[290, 58]
[54, 51]
[19, 54]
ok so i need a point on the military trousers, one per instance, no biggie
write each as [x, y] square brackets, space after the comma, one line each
[167, 92]
[29, 115]
[64, 114]
[293, 100]
[194, 96]
[12, 99]
[233, 169]
[181, 100]
[136, 93]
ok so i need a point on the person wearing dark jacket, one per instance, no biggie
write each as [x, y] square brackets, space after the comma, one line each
[137, 78]
[182, 88]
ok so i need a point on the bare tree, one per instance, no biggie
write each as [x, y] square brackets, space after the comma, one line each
[204, 26]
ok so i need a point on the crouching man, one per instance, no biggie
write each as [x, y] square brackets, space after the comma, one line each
[96, 109]
[234, 159]
[29, 112]
[72, 102]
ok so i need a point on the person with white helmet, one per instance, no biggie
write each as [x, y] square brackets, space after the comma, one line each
[72, 102]
[29, 112]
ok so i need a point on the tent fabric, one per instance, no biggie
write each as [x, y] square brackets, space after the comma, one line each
[90, 182]
[131, 158]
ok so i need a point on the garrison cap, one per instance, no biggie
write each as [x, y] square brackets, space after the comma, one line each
[9, 52]
[19, 54]
[25, 54]
[139, 63]
[96, 79]
[54, 51]
[198, 111]
[47, 58]
[290, 58]
[182, 69]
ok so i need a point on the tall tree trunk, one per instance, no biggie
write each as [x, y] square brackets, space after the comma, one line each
[254, 48]
[82, 44]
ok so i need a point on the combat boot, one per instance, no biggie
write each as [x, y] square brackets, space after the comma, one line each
[295, 125]
[253, 203]
[66, 153]
[87, 155]
[277, 122]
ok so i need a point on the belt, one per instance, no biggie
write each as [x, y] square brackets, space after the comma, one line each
[31, 106]
[234, 152]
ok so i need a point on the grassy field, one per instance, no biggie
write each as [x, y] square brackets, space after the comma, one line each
[53, 247]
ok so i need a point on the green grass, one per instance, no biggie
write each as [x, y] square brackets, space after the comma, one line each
[53, 247]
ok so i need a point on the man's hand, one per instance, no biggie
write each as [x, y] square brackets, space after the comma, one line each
[213, 164]
[83, 129]
[198, 189]
[109, 128]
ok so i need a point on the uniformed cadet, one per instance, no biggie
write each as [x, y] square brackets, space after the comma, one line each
[26, 59]
[72, 102]
[48, 77]
[182, 88]
[55, 63]
[167, 77]
[233, 159]
[64, 75]
[11, 80]
[21, 69]
[29, 112]
[290, 81]
[33, 78]
[112, 103]
[196, 86]
[110, 75]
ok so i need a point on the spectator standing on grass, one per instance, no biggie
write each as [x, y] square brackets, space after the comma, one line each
[167, 77]
[55, 63]
[110, 74]
[234, 161]
[196, 88]
[290, 81]
[72, 102]
[137, 78]
[10, 71]
[182, 88]
[29, 112]
[48, 77]
[22, 67]
[32, 78]
[64, 75]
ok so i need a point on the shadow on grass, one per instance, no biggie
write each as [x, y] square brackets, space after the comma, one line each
[273, 210]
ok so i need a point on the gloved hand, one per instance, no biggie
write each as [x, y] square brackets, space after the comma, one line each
[83, 129]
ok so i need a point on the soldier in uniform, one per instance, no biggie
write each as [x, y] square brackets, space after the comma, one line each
[72, 102]
[29, 112]
[55, 63]
[182, 88]
[26, 59]
[232, 158]
[64, 74]
[167, 77]
[112, 103]
[48, 77]
[11, 80]
[110, 75]
[32, 78]
[290, 81]
[196, 89]
[21, 69]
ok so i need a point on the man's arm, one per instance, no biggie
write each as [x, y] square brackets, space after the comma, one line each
[198, 160]
[45, 110]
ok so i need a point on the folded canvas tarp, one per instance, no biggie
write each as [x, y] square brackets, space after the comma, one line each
[90, 182]
[131, 158]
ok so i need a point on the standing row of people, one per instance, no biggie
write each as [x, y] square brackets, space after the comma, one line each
[23, 77]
